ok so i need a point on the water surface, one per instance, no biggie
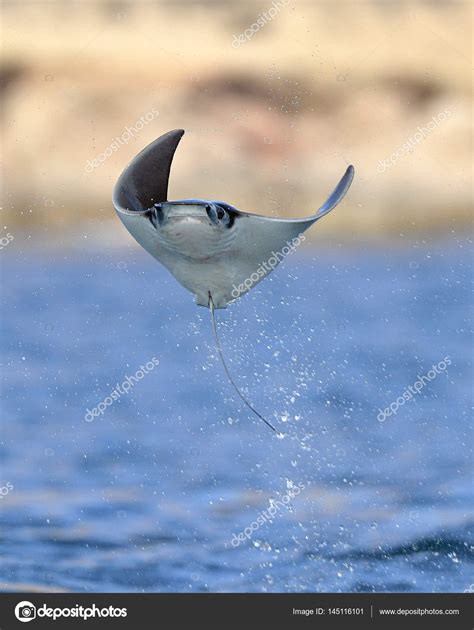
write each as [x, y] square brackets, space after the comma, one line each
[148, 496]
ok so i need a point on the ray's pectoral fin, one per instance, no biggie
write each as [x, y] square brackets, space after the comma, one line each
[336, 196]
[144, 182]
[278, 231]
[263, 242]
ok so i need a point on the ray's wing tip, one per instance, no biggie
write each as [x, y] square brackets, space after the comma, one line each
[345, 183]
[350, 172]
[175, 133]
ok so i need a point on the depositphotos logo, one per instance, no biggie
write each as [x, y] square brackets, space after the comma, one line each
[26, 611]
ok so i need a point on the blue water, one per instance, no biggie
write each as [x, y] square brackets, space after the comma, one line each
[148, 496]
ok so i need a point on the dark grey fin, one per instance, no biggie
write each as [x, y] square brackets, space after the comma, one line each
[144, 182]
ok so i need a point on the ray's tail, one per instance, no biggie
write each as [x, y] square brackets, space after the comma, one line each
[229, 376]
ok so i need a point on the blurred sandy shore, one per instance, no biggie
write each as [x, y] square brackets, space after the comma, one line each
[271, 123]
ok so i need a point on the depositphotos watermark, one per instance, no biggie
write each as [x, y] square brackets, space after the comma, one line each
[4, 490]
[6, 240]
[120, 390]
[125, 138]
[260, 22]
[266, 516]
[26, 611]
[412, 142]
[265, 267]
[413, 389]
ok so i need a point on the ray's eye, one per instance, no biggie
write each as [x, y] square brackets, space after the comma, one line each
[211, 213]
[217, 215]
